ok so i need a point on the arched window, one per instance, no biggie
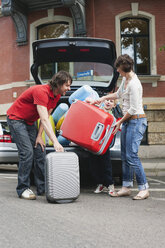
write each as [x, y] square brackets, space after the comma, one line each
[53, 30]
[135, 42]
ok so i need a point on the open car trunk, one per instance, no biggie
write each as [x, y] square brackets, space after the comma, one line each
[95, 58]
[90, 61]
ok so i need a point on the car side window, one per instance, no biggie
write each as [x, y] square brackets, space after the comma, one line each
[4, 129]
[1, 131]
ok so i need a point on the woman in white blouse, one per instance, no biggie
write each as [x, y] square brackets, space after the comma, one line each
[134, 124]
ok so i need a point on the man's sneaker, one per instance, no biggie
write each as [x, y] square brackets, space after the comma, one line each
[99, 188]
[28, 195]
[111, 190]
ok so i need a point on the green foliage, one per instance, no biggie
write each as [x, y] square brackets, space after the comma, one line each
[162, 48]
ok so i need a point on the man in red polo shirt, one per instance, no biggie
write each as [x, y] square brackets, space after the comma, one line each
[36, 102]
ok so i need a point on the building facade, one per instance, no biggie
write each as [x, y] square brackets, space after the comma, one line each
[137, 28]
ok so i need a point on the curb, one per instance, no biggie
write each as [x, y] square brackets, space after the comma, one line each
[154, 167]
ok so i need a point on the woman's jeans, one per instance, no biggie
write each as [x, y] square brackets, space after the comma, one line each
[24, 136]
[131, 136]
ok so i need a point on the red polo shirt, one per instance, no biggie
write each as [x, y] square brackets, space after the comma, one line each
[25, 107]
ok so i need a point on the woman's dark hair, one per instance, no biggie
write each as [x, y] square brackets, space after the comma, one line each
[59, 79]
[125, 62]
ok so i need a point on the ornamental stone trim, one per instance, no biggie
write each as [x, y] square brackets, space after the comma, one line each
[18, 13]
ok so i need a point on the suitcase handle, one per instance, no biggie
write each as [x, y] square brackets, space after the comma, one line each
[106, 132]
[97, 131]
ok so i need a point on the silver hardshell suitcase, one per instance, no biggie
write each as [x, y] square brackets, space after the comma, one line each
[62, 181]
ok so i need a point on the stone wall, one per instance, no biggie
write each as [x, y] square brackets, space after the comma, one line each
[156, 123]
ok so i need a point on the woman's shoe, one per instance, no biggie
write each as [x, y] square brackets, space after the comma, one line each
[141, 197]
[124, 192]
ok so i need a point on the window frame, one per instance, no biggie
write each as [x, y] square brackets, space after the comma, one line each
[153, 77]
[51, 18]
[54, 65]
[49, 24]
[134, 37]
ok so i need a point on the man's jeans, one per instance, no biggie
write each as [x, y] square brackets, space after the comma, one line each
[25, 136]
[131, 136]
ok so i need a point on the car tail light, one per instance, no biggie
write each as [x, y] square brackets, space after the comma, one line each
[5, 138]
[62, 50]
[84, 50]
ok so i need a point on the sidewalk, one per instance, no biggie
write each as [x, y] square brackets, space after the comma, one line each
[153, 159]
[154, 166]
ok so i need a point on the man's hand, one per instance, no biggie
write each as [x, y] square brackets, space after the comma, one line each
[40, 141]
[58, 147]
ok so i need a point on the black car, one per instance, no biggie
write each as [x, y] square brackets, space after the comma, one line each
[90, 61]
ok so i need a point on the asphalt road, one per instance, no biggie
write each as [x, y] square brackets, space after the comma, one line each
[92, 221]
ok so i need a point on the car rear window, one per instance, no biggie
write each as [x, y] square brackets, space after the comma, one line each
[91, 73]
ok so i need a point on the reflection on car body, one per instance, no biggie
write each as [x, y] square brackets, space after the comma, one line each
[8, 149]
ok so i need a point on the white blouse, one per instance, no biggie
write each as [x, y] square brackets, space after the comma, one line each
[131, 96]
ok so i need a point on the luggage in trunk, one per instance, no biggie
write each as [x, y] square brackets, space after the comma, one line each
[89, 127]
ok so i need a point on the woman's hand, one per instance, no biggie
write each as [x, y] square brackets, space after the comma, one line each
[117, 126]
[40, 141]
[98, 101]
